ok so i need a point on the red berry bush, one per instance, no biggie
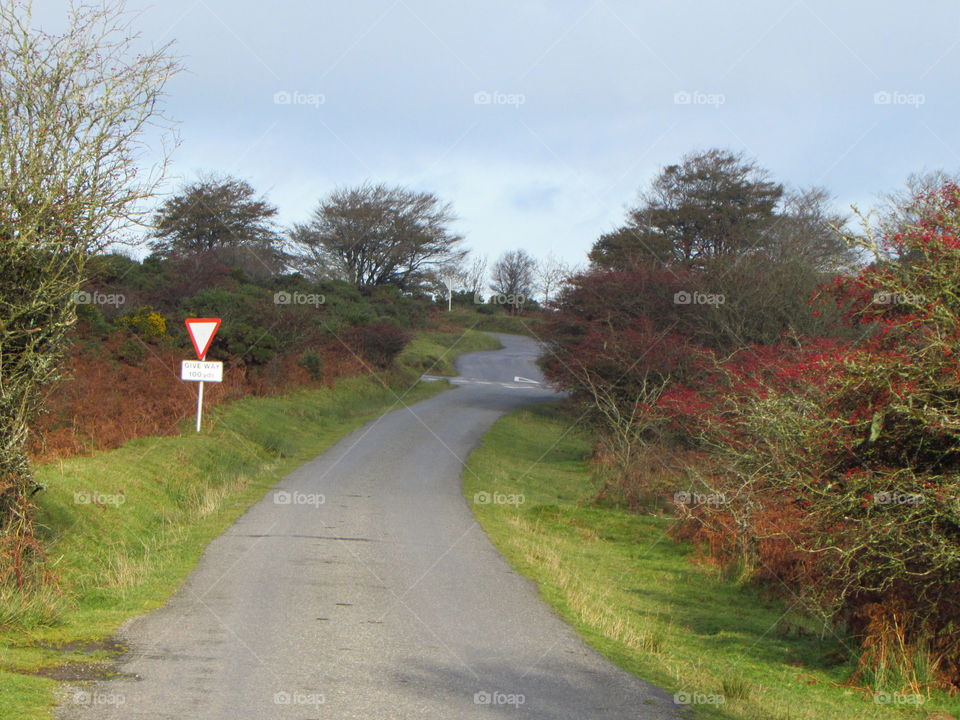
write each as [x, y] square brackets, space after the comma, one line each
[840, 462]
[826, 465]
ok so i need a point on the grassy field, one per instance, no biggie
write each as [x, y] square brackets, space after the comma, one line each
[642, 600]
[432, 353]
[496, 322]
[124, 527]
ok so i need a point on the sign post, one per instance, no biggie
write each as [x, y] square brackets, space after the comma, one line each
[201, 332]
[199, 404]
[449, 280]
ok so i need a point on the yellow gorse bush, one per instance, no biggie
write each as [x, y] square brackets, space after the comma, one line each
[146, 323]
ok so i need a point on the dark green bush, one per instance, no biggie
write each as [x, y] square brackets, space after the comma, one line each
[312, 362]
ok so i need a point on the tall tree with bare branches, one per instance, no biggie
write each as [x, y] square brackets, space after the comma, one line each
[511, 278]
[74, 109]
[550, 274]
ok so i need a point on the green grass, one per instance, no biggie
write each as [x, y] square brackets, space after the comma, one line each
[158, 502]
[23, 697]
[432, 353]
[498, 321]
[643, 601]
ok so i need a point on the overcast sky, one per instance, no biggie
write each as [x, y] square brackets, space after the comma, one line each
[540, 120]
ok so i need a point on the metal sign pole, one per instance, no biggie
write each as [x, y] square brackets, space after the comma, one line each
[199, 403]
[449, 280]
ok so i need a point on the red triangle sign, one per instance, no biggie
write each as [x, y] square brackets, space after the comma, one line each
[201, 332]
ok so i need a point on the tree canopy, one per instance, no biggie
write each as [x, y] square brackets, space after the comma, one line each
[373, 235]
[215, 212]
[711, 204]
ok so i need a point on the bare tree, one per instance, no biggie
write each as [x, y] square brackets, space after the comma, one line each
[766, 293]
[73, 110]
[374, 235]
[549, 275]
[810, 231]
[473, 276]
[512, 279]
[904, 208]
[628, 431]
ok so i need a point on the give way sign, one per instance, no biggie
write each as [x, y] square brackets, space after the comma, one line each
[201, 332]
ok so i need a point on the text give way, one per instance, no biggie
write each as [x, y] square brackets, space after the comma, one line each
[200, 371]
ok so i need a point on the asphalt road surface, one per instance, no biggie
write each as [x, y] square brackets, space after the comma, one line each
[385, 600]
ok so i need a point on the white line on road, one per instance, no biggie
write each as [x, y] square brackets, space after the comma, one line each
[525, 380]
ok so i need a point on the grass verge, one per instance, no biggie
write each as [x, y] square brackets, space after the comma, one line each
[124, 527]
[641, 599]
[432, 353]
[498, 321]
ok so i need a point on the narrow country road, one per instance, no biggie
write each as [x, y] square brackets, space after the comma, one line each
[386, 601]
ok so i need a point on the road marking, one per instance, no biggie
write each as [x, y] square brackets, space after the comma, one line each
[529, 384]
